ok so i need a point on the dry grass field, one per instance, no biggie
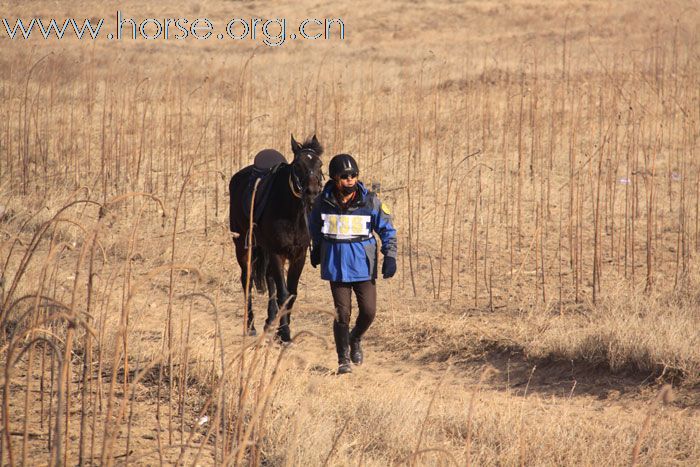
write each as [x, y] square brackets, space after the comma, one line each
[541, 161]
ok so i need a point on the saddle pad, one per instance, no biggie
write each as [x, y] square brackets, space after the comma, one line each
[262, 195]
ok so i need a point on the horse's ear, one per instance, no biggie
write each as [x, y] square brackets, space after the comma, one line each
[314, 140]
[296, 147]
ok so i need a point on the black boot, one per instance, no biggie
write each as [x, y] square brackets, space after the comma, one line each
[355, 348]
[342, 341]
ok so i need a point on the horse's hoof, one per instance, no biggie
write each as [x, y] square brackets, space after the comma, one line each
[283, 335]
[282, 341]
[252, 332]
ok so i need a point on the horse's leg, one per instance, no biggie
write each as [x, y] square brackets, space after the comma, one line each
[241, 256]
[277, 272]
[296, 266]
[249, 304]
[272, 307]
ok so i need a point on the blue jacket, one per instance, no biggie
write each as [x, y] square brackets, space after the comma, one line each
[345, 237]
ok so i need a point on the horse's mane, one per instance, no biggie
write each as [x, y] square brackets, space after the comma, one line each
[312, 144]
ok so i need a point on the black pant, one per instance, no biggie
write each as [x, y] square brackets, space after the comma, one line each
[366, 295]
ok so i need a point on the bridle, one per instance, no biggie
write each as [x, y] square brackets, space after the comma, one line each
[295, 184]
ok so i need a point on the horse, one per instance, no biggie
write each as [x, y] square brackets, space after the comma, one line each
[280, 232]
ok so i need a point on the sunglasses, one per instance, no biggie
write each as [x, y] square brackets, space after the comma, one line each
[349, 175]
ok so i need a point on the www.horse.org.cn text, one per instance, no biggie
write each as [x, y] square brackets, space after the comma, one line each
[272, 32]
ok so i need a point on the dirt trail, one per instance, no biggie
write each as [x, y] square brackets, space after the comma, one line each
[384, 369]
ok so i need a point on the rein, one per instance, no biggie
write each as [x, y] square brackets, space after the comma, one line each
[295, 185]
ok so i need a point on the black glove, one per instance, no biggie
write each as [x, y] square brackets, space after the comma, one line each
[389, 267]
[316, 256]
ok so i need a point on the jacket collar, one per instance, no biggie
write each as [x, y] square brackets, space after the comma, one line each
[360, 199]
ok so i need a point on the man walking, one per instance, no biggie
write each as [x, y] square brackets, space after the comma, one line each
[342, 222]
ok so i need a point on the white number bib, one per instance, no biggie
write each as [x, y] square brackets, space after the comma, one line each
[345, 226]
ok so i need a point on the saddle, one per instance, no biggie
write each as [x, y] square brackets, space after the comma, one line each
[266, 163]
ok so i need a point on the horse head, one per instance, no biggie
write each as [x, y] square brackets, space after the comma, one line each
[306, 169]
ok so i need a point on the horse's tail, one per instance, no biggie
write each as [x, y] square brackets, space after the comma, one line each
[260, 261]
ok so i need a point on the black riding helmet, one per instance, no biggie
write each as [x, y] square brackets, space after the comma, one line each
[342, 164]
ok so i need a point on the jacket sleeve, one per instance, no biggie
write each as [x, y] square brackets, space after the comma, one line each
[381, 223]
[315, 224]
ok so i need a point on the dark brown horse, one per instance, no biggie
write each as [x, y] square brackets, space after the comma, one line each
[280, 232]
